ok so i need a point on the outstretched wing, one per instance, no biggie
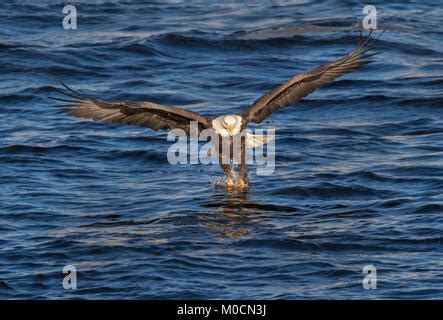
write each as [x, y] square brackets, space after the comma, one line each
[293, 90]
[144, 114]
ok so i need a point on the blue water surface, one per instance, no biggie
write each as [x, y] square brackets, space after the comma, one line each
[359, 169]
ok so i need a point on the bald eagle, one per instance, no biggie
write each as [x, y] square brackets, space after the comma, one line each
[160, 117]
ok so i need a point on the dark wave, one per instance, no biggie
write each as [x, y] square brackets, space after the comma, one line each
[430, 208]
[328, 190]
[303, 245]
[24, 149]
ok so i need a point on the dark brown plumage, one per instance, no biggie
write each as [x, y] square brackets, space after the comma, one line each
[144, 114]
[302, 84]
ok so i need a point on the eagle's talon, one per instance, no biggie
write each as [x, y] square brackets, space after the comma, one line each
[236, 184]
[230, 182]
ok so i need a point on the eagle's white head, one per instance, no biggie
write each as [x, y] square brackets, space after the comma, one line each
[229, 125]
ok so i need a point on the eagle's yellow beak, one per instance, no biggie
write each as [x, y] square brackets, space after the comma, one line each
[231, 128]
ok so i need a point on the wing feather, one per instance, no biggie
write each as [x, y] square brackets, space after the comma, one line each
[296, 88]
[145, 114]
